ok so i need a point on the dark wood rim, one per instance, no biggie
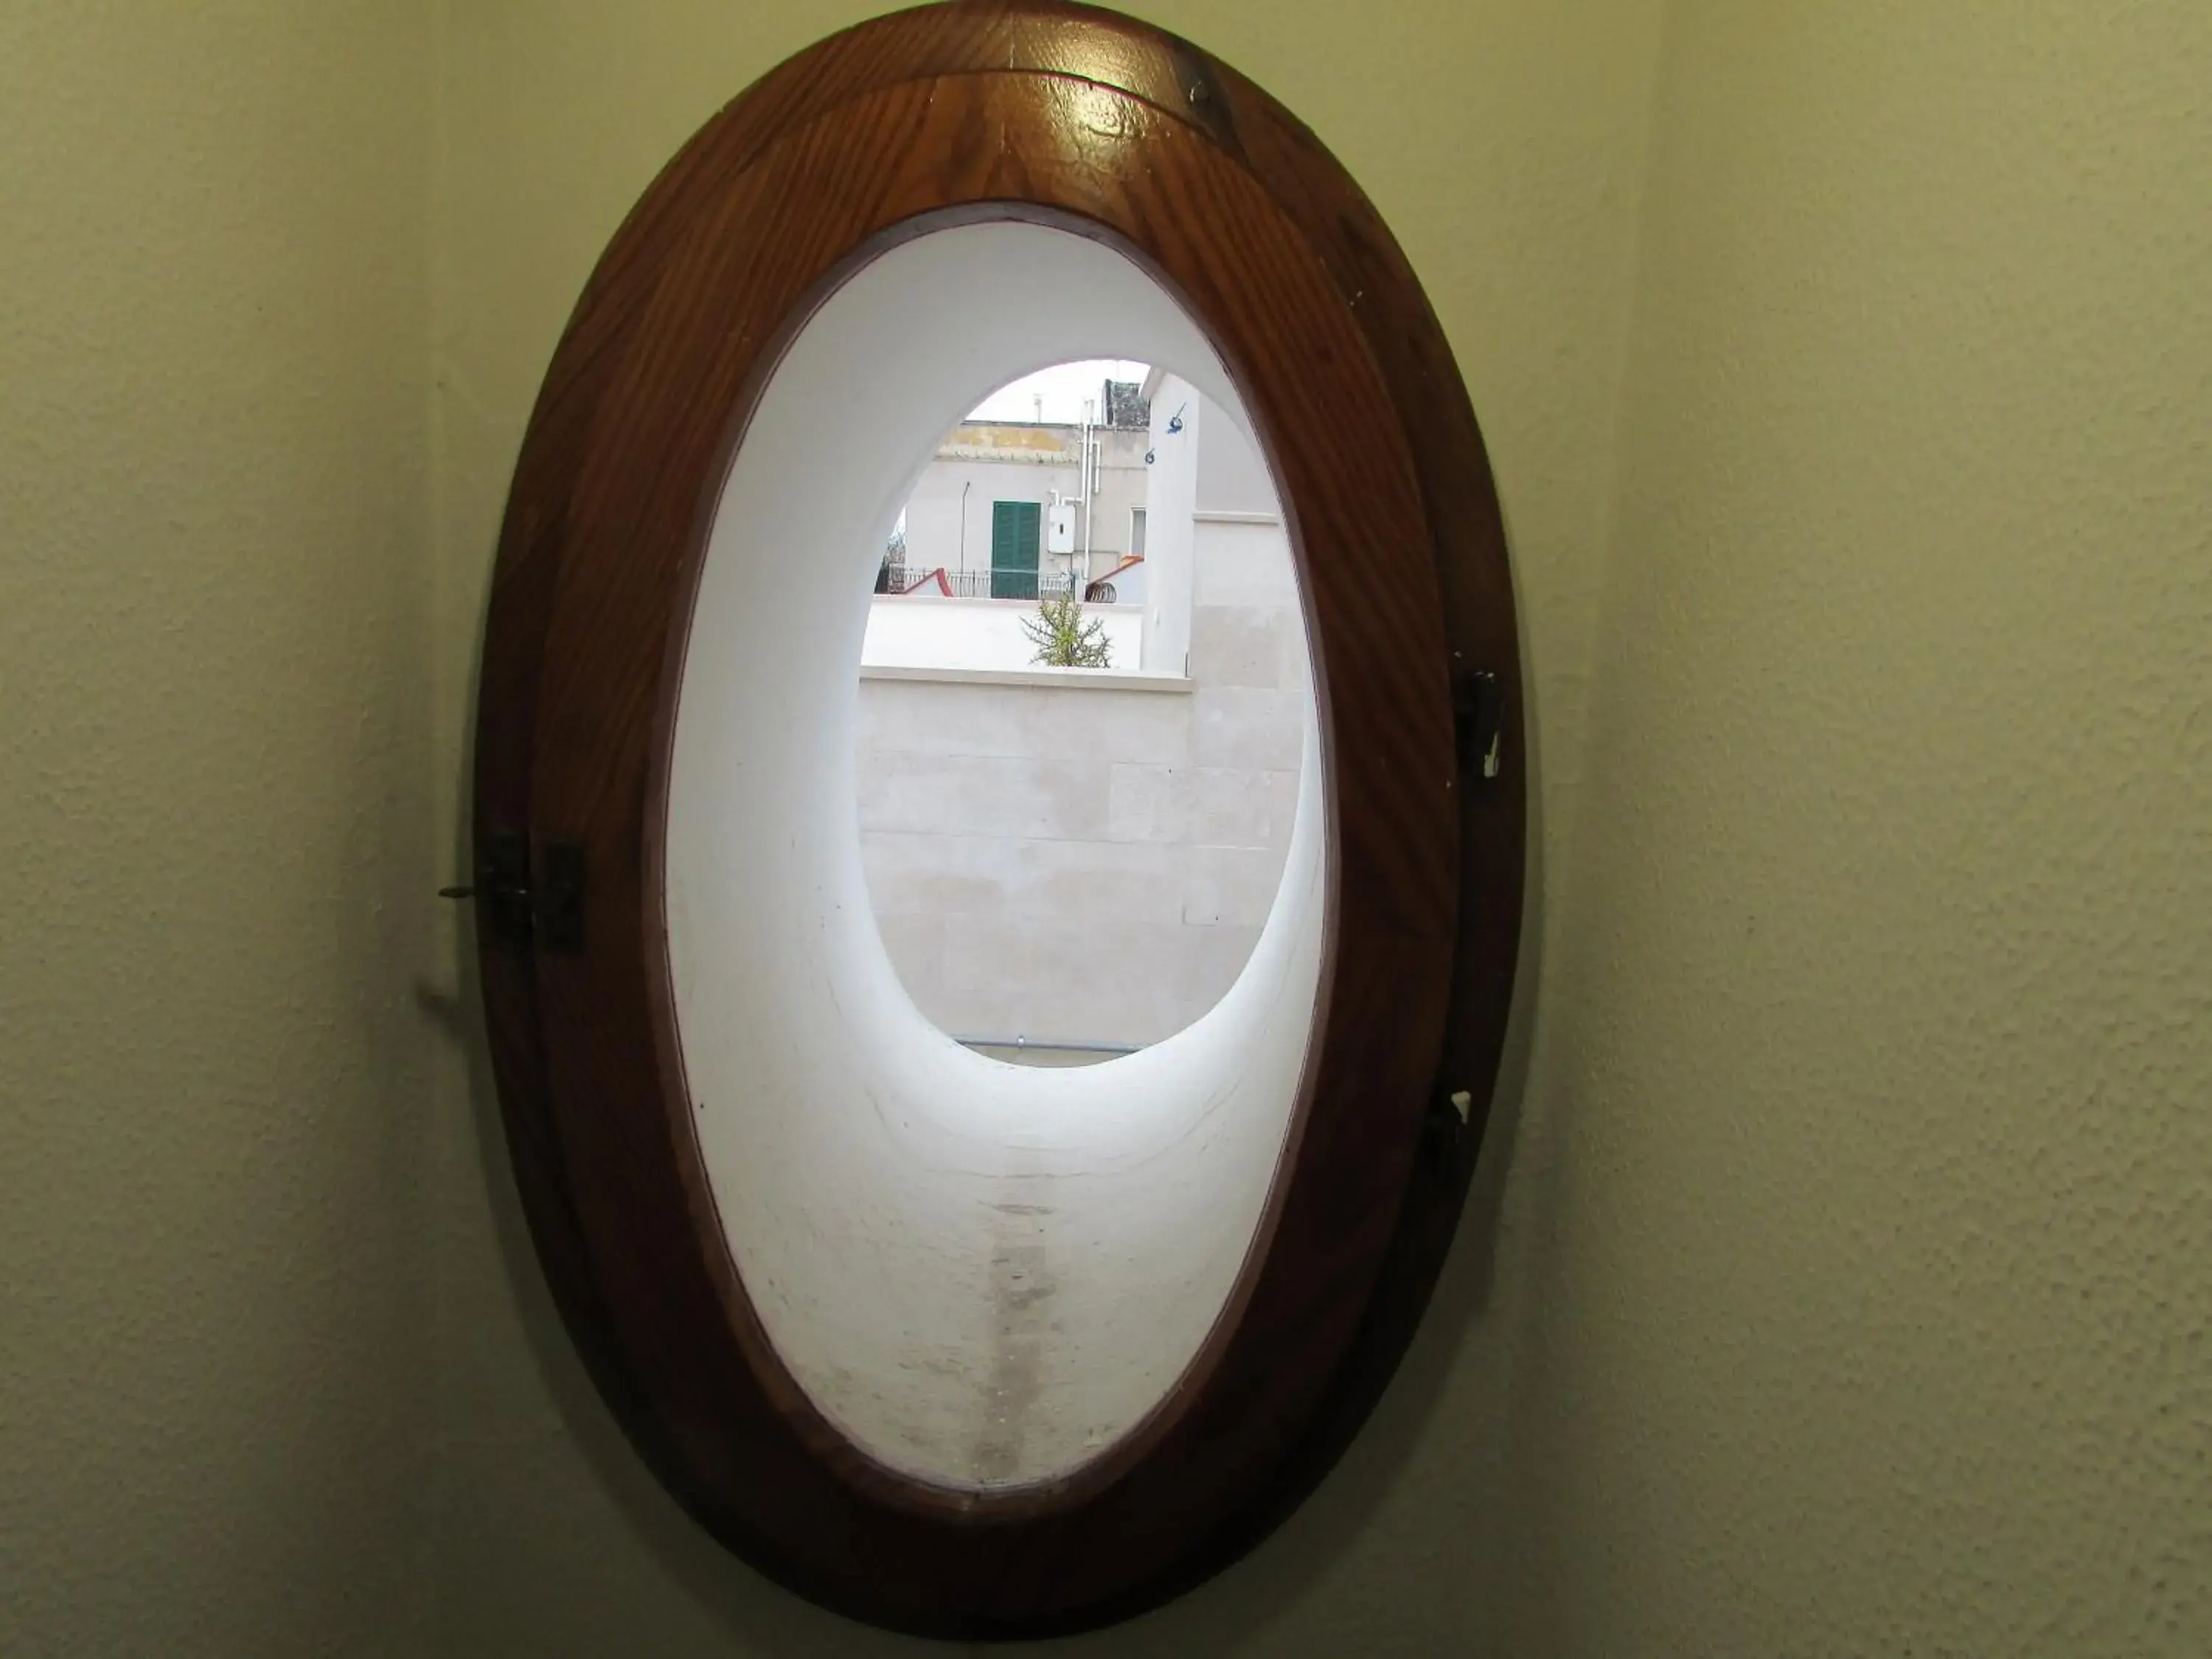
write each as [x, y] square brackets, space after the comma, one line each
[896, 127]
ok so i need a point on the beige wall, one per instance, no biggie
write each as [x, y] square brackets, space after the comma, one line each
[1868, 1204]
[1834, 1285]
[214, 781]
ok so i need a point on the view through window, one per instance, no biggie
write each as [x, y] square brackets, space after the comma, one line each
[1085, 704]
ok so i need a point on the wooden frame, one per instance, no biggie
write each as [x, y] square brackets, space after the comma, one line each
[924, 118]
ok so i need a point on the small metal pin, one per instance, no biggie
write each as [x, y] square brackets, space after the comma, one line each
[1479, 722]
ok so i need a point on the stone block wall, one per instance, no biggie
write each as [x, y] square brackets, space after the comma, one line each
[1085, 863]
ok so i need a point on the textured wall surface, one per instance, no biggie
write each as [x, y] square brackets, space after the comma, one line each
[214, 790]
[1875, 1197]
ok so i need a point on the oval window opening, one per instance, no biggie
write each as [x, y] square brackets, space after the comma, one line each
[1085, 697]
[985, 1274]
[992, 1126]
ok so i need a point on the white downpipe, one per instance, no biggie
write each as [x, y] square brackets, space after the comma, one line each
[1089, 492]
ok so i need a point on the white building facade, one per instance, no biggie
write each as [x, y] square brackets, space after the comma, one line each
[1003, 498]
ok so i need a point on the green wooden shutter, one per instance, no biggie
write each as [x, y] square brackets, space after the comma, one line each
[1017, 529]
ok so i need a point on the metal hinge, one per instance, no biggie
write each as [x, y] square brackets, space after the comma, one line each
[521, 911]
[1478, 722]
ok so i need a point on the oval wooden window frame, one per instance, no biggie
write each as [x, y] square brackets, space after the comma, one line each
[1090, 122]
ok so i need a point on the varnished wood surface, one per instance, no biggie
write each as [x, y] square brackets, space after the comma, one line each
[1091, 121]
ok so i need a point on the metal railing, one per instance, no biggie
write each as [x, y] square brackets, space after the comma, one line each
[1029, 585]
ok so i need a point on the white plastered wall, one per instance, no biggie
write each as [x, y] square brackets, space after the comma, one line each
[984, 1273]
[1172, 499]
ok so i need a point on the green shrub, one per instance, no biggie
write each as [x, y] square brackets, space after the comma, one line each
[1063, 639]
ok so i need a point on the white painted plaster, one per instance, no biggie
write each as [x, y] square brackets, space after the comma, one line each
[1172, 499]
[985, 1274]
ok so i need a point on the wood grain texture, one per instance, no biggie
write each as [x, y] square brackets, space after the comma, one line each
[1091, 122]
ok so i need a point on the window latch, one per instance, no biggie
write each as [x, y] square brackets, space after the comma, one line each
[521, 912]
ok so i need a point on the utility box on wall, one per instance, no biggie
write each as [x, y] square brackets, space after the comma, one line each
[1060, 528]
